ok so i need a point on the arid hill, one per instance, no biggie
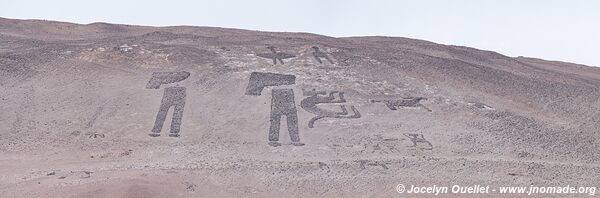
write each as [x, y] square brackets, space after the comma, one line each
[106, 110]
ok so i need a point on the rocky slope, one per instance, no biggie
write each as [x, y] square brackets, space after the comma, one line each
[82, 107]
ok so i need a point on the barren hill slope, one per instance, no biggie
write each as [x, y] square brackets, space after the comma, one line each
[112, 110]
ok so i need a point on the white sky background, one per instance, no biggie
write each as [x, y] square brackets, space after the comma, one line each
[567, 30]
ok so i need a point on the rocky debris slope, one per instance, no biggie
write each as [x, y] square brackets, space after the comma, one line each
[118, 110]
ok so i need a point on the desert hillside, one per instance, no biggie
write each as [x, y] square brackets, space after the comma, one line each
[106, 110]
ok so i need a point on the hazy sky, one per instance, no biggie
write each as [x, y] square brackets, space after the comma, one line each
[567, 30]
